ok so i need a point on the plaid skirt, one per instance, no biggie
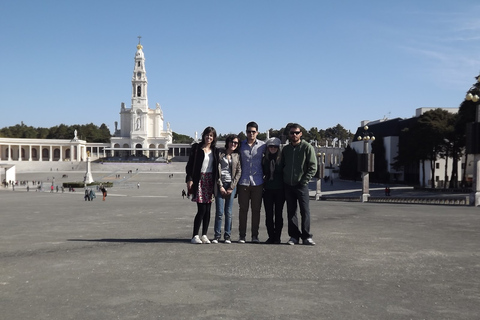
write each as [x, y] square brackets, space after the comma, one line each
[205, 188]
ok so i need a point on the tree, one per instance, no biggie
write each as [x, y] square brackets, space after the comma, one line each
[181, 138]
[380, 173]
[411, 153]
[348, 166]
[434, 125]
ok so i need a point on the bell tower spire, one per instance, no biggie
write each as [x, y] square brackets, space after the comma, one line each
[139, 93]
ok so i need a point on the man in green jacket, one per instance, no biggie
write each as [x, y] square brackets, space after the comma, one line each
[299, 166]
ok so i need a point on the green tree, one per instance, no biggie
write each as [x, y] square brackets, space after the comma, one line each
[241, 136]
[411, 153]
[434, 125]
[380, 173]
[348, 166]
[181, 138]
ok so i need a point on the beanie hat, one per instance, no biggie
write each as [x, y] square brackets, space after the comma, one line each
[273, 142]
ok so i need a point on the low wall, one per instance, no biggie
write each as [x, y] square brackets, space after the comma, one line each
[455, 201]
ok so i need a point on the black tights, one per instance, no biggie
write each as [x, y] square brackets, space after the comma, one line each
[203, 215]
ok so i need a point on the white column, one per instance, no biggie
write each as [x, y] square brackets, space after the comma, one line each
[61, 154]
[9, 152]
[19, 152]
[29, 152]
[50, 158]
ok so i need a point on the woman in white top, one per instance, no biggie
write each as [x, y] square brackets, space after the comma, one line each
[201, 179]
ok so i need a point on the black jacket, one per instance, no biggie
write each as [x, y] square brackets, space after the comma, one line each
[194, 165]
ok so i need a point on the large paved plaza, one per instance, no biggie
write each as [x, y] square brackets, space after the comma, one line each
[130, 257]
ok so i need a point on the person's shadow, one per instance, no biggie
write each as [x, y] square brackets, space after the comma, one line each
[135, 240]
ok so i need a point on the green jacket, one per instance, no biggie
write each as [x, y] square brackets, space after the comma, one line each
[299, 163]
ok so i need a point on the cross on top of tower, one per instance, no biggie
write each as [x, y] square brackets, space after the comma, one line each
[139, 46]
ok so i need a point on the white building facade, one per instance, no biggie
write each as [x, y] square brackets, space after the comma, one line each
[141, 132]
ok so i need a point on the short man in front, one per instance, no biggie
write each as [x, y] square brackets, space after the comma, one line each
[250, 186]
[299, 166]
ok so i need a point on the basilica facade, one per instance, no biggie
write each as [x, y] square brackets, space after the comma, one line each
[141, 134]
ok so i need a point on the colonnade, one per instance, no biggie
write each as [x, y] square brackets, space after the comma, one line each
[42, 150]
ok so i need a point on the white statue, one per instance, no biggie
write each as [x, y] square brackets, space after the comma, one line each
[160, 108]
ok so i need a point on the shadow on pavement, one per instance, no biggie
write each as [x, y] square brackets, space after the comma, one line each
[133, 240]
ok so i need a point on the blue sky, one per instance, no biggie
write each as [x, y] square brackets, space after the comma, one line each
[224, 63]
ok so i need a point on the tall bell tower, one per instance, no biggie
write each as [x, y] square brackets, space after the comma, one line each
[139, 110]
[141, 132]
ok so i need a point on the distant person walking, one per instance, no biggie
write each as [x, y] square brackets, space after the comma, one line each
[229, 172]
[104, 191]
[183, 193]
[299, 166]
[201, 179]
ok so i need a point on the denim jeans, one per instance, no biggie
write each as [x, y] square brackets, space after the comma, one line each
[293, 194]
[224, 206]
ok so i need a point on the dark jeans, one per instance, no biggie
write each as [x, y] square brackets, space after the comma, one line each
[203, 215]
[300, 194]
[247, 195]
[273, 201]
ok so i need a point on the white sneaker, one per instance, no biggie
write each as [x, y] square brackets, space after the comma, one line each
[214, 241]
[241, 240]
[196, 240]
[204, 239]
[292, 241]
[309, 242]
[228, 241]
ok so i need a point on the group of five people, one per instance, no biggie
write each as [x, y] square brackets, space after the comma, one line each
[254, 171]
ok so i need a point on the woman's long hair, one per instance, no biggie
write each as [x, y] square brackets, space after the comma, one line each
[205, 133]
[267, 155]
[229, 139]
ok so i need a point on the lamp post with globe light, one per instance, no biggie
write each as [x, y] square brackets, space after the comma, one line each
[320, 173]
[473, 141]
[365, 162]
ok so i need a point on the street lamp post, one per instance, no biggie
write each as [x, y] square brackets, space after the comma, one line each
[320, 174]
[365, 163]
[473, 142]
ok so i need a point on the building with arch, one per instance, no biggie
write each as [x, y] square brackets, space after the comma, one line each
[141, 133]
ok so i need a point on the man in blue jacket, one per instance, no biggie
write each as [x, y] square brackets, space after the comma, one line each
[299, 166]
[250, 186]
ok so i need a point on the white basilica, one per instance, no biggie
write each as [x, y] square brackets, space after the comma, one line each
[141, 134]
